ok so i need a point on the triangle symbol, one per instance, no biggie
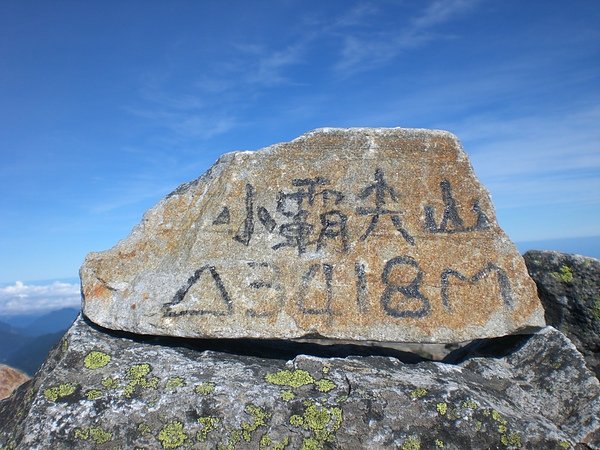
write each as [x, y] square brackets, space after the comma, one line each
[223, 217]
[203, 294]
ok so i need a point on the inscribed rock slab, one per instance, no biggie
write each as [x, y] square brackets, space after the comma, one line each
[355, 234]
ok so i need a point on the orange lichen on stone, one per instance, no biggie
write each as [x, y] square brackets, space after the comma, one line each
[97, 291]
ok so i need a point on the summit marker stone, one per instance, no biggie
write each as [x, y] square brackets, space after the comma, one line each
[355, 234]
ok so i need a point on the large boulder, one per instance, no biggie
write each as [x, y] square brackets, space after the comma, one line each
[355, 234]
[569, 288]
[104, 391]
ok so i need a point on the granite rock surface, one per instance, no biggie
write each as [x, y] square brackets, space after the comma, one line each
[105, 390]
[569, 288]
[354, 234]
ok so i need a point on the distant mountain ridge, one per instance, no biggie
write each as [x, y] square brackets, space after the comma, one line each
[25, 343]
[60, 319]
[10, 339]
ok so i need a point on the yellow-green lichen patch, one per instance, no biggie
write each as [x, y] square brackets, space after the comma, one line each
[511, 440]
[129, 390]
[138, 376]
[138, 371]
[325, 385]
[508, 439]
[564, 274]
[296, 420]
[259, 416]
[321, 421]
[418, 393]
[205, 388]
[281, 444]
[326, 369]
[96, 360]
[469, 404]
[82, 434]
[500, 420]
[439, 443]
[311, 444]
[209, 423]
[93, 394]
[266, 442]
[144, 428]
[234, 438]
[172, 435]
[60, 391]
[564, 444]
[96, 434]
[110, 383]
[287, 395]
[175, 382]
[292, 378]
[100, 436]
[442, 408]
[411, 443]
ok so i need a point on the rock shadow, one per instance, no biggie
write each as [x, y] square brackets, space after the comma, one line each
[281, 349]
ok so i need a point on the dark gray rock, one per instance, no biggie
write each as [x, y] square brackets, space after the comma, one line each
[107, 391]
[569, 288]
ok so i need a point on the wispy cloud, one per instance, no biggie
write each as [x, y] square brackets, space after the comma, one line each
[534, 146]
[127, 194]
[212, 101]
[266, 66]
[21, 298]
[356, 16]
[441, 11]
[370, 49]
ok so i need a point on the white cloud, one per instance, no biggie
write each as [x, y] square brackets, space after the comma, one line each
[357, 15]
[441, 11]
[263, 66]
[222, 88]
[21, 298]
[203, 126]
[365, 51]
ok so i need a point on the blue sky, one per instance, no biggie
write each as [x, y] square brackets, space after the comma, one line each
[106, 106]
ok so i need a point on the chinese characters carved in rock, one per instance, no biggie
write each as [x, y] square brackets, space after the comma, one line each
[378, 207]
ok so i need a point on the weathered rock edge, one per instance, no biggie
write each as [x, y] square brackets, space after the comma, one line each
[400, 244]
[569, 288]
[100, 391]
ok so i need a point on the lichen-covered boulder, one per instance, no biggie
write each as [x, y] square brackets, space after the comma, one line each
[103, 391]
[569, 288]
[356, 234]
